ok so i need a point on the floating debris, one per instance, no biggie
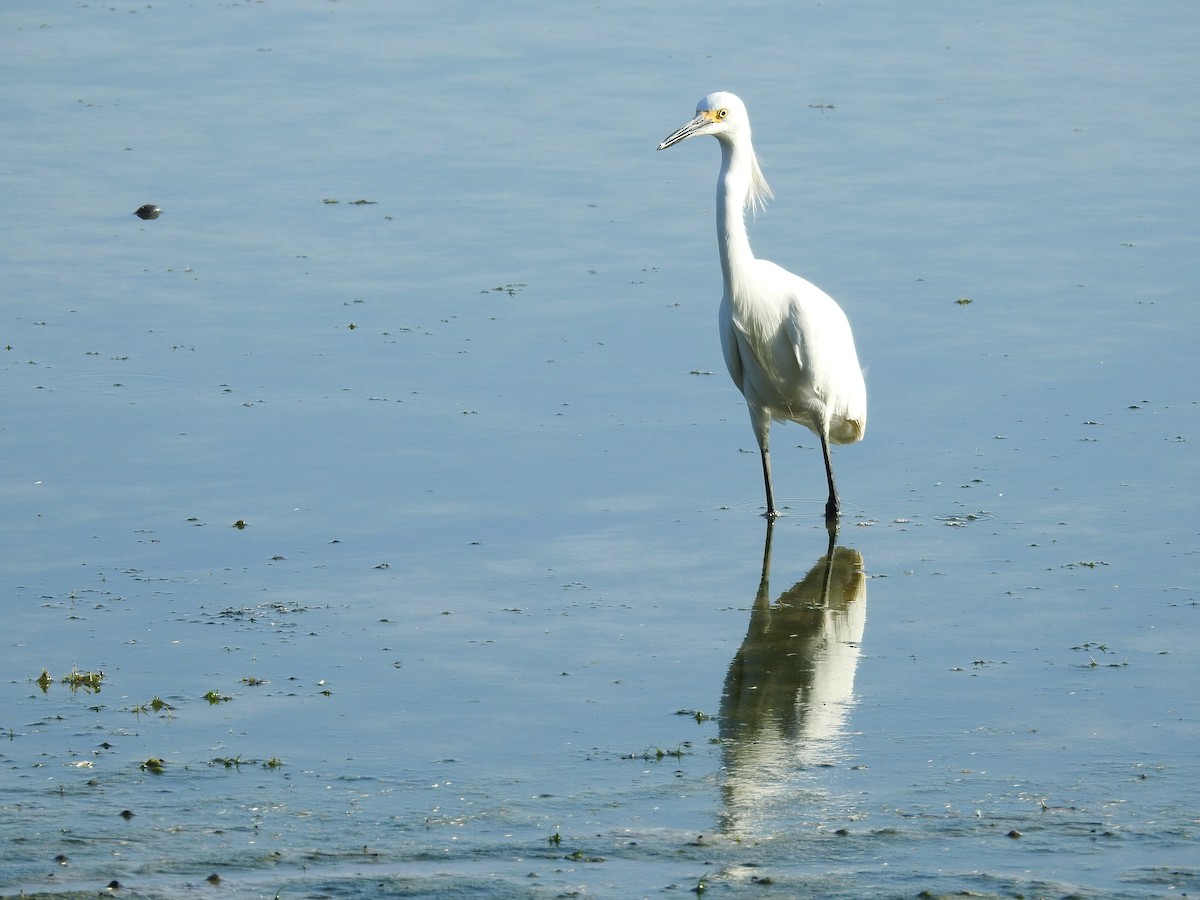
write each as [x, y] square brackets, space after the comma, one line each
[155, 705]
[511, 289]
[962, 521]
[89, 681]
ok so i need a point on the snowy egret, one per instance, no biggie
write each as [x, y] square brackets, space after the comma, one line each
[787, 343]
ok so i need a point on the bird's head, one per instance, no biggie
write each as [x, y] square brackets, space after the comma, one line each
[724, 116]
[721, 114]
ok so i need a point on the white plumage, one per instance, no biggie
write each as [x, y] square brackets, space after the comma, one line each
[787, 343]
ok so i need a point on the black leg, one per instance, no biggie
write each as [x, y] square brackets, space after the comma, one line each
[832, 505]
[772, 513]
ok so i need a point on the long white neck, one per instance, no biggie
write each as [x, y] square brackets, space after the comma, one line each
[739, 171]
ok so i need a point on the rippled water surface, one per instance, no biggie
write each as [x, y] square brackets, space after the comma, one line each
[379, 519]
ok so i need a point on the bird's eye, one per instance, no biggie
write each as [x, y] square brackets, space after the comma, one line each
[722, 113]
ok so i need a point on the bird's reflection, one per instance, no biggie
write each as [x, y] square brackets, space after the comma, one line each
[791, 684]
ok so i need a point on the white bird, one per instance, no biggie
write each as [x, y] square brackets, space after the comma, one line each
[787, 343]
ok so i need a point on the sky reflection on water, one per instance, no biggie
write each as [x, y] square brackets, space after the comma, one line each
[502, 540]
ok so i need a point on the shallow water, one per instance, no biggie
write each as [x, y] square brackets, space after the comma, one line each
[496, 624]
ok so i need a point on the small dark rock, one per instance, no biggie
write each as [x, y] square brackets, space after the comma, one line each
[147, 211]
